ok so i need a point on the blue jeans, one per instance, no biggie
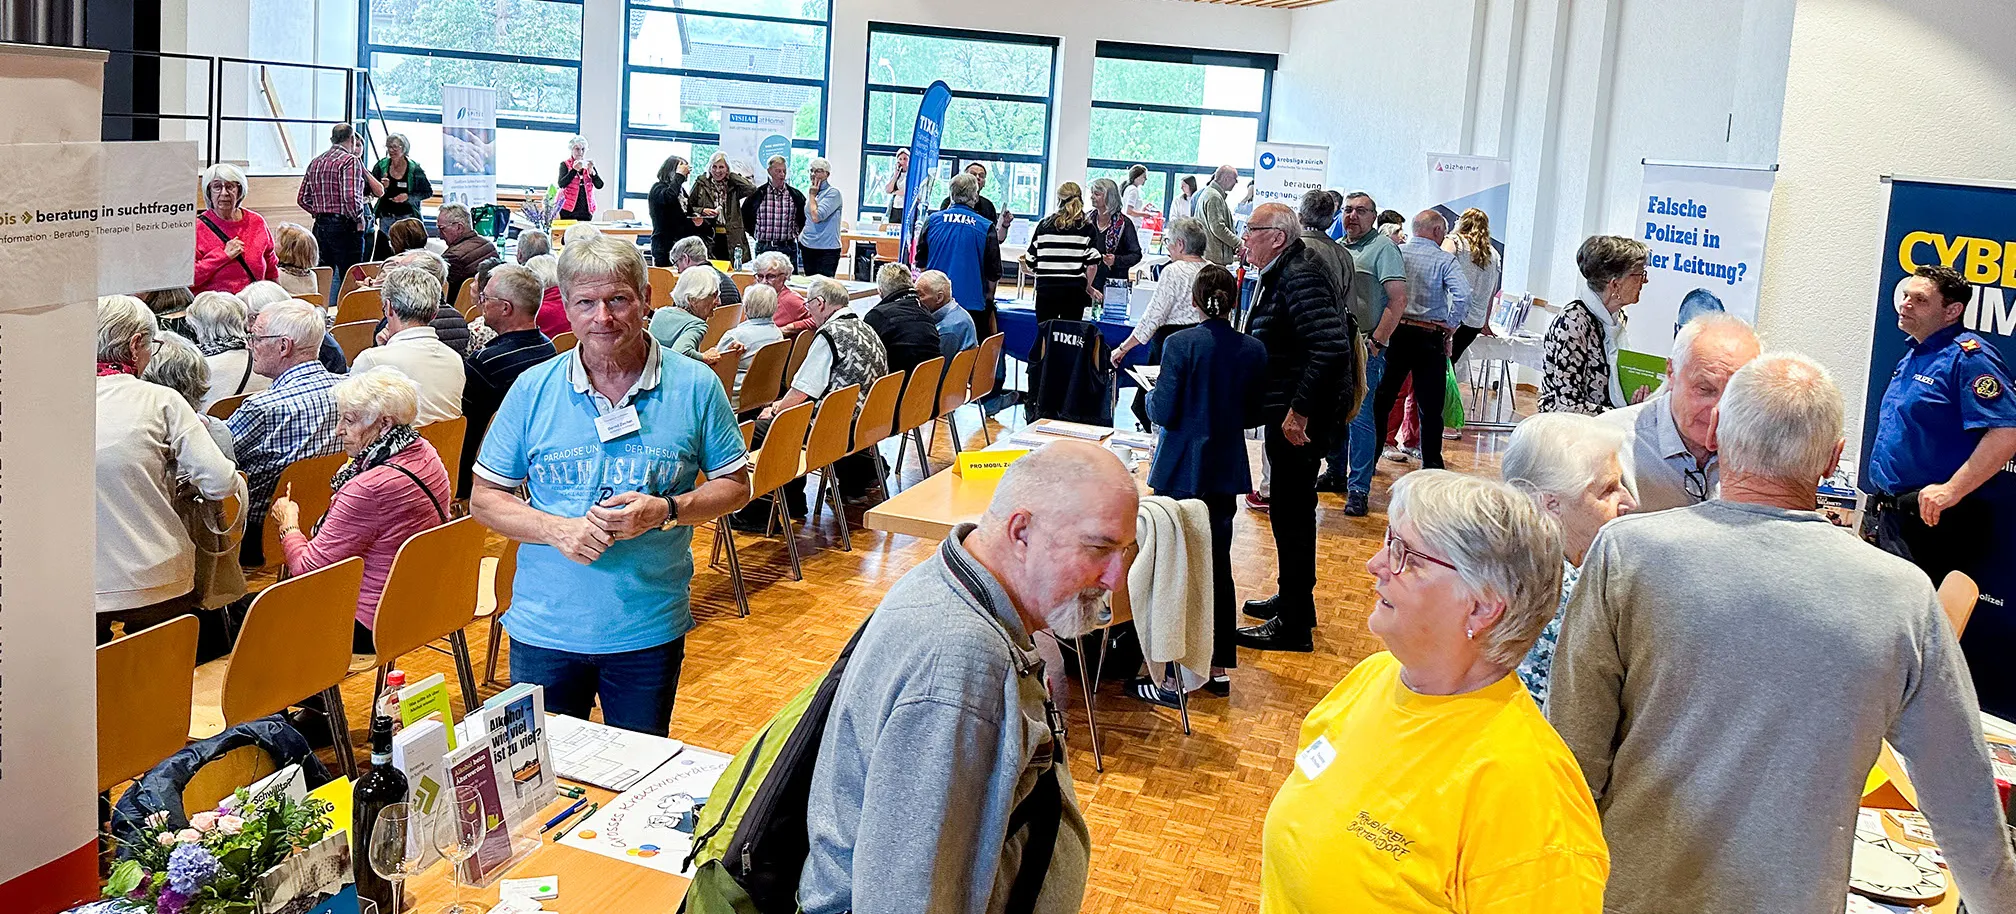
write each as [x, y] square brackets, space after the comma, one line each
[1358, 447]
[636, 687]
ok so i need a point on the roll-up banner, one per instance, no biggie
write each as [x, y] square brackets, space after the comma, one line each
[918, 181]
[1705, 226]
[1282, 172]
[750, 136]
[468, 145]
[1457, 183]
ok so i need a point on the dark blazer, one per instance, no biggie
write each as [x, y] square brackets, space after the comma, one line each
[1126, 252]
[1310, 361]
[1212, 389]
[670, 220]
[754, 202]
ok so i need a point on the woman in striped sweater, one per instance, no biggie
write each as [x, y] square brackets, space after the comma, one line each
[1064, 253]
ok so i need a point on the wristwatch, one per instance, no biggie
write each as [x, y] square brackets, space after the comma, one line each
[671, 513]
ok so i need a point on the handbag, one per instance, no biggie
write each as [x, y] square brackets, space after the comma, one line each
[219, 579]
[1452, 401]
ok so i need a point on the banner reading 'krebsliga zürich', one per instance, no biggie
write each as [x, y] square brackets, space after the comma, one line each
[1705, 227]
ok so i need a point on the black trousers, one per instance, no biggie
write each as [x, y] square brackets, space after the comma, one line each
[1292, 513]
[1464, 336]
[787, 247]
[824, 262]
[1964, 541]
[1224, 594]
[342, 246]
[1062, 301]
[1415, 352]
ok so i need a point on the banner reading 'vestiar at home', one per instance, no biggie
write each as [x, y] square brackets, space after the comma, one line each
[923, 172]
[468, 145]
[1705, 227]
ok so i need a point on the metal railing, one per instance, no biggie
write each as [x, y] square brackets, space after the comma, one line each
[214, 70]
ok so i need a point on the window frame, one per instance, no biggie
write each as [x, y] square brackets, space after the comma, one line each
[1174, 171]
[960, 156]
[627, 131]
[368, 102]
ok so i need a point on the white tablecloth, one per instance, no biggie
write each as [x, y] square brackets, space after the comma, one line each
[1524, 350]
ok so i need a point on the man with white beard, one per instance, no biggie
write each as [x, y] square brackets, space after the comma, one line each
[941, 782]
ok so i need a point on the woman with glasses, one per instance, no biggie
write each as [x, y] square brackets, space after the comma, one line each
[1580, 373]
[149, 439]
[1568, 464]
[233, 248]
[1428, 780]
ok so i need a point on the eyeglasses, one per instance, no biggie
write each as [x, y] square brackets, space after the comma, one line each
[1695, 483]
[1399, 555]
[268, 336]
[1250, 229]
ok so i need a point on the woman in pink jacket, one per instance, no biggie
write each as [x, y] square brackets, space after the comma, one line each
[393, 487]
[233, 248]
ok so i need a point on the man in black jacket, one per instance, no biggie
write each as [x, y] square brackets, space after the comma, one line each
[1309, 361]
[775, 213]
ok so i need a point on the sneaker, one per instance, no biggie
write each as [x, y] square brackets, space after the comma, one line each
[1357, 503]
[1452, 435]
[1145, 689]
[1255, 501]
[1395, 454]
[1410, 454]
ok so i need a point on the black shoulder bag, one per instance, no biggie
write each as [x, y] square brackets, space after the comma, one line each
[212, 226]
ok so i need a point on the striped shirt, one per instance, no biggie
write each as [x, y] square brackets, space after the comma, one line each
[295, 419]
[1061, 254]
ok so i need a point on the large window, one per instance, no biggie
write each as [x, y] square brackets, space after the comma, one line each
[1181, 113]
[685, 59]
[999, 115]
[528, 50]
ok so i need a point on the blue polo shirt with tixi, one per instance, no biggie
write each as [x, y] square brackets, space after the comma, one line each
[954, 242]
[635, 594]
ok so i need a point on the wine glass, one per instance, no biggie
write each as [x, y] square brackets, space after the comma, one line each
[396, 847]
[458, 833]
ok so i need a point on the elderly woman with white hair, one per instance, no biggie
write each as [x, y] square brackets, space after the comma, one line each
[773, 269]
[680, 327]
[819, 242]
[149, 438]
[233, 248]
[578, 181]
[179, 366]
[222, 323]
[716, 198]
[1568, 463]
[757, 330]
[1428, 780]
[393, 486]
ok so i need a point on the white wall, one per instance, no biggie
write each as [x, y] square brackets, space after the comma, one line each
[1934, 97]
[1080, 25]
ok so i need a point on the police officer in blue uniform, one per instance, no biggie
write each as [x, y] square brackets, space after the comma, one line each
[1946, 429]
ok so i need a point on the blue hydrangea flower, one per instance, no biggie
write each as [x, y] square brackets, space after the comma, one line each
[190, 867]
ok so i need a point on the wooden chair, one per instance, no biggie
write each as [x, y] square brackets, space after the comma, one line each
[323, 276]
[146, 684]
[431, 594]
[877, 419]
[765, 378]
[309, 477]
[448, 436]
[495, 583]
[742, 279]
[662, 280]
[564, 342]
[358, 273]
[295, 643]
[1957, 595]
[355, 337]
[919, 404]
[982, 384]
[617, 215]
[313, 298]
[361, 305]
[222, 409]
[724, 369]
[825, 444]
[465, 299]
[776, 464]
[724, 317]
[952, 395]
[801, 346]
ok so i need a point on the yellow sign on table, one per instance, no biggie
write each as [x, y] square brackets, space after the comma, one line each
[987, 464]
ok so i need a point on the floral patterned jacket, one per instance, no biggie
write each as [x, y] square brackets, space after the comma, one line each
[1577, 374]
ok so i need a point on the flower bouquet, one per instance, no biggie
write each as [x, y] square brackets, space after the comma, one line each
[540, 211]
[219, 863]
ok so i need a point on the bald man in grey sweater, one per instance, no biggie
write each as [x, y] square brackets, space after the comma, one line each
[1727, 673]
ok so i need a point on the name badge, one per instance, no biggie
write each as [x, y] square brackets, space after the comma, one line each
[614, 425]
[1315, 759]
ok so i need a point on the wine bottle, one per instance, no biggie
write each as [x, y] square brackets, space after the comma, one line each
[376, 789]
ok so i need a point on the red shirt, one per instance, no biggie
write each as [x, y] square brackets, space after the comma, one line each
[792, 315]
[553, 314]
[218, 273]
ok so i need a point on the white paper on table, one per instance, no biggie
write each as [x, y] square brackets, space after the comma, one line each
[607, 757]
[637, 827]
[1146, 375]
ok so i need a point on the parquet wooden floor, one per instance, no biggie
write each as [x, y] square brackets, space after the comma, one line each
[1175, 819]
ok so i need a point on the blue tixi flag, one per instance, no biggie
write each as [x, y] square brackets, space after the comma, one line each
[923, 170]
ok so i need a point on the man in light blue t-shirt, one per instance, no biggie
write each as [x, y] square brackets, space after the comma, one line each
[607, 441]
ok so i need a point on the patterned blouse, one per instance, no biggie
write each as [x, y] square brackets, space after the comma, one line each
[1576, 378]
[1539, 663]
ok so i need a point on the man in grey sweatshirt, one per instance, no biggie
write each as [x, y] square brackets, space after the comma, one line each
[941, 727]
[1727, 673]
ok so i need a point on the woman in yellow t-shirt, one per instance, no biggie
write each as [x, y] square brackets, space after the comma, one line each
[1428, 781]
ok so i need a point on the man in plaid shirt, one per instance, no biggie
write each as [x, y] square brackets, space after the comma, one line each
[332, 190]
[775, 213]
[292, 420]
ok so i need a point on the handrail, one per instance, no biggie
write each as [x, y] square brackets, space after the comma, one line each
[213, 117]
